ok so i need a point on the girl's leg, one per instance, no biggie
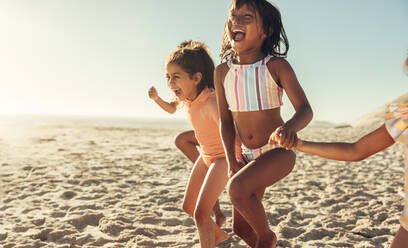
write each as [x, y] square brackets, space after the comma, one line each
[219, 216]
[193, 186]
[241, 227]
[213, 185]
[187, 143]
[259, 174]
[401, 239]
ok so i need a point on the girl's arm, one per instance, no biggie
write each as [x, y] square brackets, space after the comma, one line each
[169, 107]
[304, 114]
[368, 145]
[227, 128]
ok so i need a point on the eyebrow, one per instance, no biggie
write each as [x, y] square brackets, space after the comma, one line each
[175, 73]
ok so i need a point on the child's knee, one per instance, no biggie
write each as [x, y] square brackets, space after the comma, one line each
[235, 190]
[180, 140]
[188, 209]
[201, 215]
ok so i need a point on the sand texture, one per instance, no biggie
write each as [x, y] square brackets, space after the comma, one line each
[90, 186]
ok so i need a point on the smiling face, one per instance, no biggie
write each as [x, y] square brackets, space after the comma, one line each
[245, 29]
[181, 83]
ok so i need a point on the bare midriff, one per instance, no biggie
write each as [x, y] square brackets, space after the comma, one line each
[255, 127]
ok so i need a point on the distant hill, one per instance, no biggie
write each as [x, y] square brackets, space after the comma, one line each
[377, 117]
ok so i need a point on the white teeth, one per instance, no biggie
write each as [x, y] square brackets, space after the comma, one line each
[238, 30]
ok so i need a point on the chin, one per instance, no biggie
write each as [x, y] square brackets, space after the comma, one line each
[181, 98]
[237, 47]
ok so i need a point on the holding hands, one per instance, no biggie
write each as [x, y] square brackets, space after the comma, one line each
[284, 137]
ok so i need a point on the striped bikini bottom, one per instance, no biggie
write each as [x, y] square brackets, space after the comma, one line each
[251, 154]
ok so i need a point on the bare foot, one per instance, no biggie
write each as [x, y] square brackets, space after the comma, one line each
[268, 242]
[220, 236]
[220, 220]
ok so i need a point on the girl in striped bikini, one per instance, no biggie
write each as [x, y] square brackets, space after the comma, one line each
[249, 90]
[395, 129]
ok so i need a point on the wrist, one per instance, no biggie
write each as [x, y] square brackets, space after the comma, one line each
[287, 125]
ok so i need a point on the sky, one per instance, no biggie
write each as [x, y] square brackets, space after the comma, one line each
[100, 57]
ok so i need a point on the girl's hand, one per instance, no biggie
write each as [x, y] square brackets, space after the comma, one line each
[153, 93]
[274, 139]
[234, 167]
[286, 137]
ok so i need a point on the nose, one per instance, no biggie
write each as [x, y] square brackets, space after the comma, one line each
[171, 83]
[235, 19]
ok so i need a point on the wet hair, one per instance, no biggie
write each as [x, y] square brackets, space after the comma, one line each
[271, 20]
[192, 57]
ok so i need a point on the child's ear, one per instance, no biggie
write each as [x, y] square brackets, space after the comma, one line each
[197, 77]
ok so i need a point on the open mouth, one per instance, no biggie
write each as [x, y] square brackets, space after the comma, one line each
[238, 35]
[177, 92]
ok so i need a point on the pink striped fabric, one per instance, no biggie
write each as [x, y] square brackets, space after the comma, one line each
[251, 87]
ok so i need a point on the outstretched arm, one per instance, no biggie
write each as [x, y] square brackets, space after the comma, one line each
[368, 145]
[169, 107]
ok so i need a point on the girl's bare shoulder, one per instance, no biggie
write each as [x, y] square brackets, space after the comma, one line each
[220, 72]
[276, 63]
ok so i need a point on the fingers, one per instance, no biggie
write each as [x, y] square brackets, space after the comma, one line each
[287, 138]
[274, 139]
[152, 92]
[234, 168]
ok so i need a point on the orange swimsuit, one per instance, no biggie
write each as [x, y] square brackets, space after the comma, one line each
[203, 116]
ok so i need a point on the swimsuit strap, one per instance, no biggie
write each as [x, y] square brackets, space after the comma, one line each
[229, 63]
[266, 59]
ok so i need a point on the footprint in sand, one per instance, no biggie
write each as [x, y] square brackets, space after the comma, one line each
[289, 232]
[86, 219]
[38, 222]
[112, 227]
[67, 195]
[3, 236]
[318, 234]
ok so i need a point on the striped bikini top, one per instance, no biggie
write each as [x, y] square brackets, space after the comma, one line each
[251, 87]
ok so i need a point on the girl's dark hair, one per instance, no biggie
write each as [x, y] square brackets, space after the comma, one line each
[193, 57]
[271, 19]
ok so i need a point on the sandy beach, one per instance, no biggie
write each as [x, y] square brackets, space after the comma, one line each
[84, 185]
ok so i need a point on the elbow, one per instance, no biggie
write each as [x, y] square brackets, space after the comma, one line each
[309, 113]
[171, 110]
[359, 157]
[357, 154]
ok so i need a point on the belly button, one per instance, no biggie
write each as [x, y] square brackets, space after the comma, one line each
[250, 137]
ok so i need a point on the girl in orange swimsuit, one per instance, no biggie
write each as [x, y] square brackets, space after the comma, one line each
[186, 142]
[189, 72]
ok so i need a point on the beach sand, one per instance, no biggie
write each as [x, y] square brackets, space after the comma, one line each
[96, 186]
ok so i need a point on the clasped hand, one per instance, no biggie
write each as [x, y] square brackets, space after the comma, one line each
[284, 137]
[234, 167]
